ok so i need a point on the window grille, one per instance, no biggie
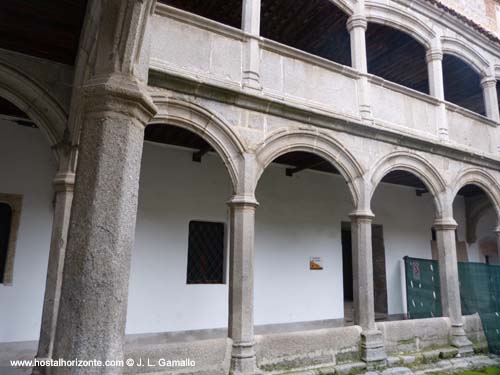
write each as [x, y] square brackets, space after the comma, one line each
[205, 253]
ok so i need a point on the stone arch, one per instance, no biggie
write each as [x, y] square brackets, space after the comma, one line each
[315, 142]
[403, 21]
[412, 163]
[345, 5]
[30, 97]
[482, 179]
[208, 126]
[465, 53]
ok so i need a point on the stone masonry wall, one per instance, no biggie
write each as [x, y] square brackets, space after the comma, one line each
[481, 11]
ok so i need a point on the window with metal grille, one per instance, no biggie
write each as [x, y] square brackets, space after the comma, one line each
[205, 253]
[5, 226]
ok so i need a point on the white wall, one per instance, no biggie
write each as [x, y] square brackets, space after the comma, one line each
[26, 167]
[297, 218]
[485, 238]
[407, 221]
[173, 191]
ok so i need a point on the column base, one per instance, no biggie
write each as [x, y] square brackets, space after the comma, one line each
[38, 370]
[243, 360]
[373, 349]
[460, 341]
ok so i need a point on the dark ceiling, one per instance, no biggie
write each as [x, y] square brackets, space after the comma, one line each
[462, 85]
[397, 57]
[13, 113]
[41, 28]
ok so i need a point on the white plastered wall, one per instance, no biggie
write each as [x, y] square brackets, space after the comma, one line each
[297, 218]
[27, 167]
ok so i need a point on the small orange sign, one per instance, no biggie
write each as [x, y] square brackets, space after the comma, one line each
[315, 263]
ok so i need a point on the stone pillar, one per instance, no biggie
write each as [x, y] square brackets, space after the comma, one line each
[372, 342]
[434, 58]
[63, 186]
[450, 291]
[356, 25]
[489, 85]
[242, 223]
[250, 24]
[115, 110]
[497, 234]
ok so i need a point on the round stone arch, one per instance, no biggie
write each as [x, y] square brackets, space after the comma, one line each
[465, 53]
[397, 19]
[482, 179]
[346, 6]
[208, 126]
[314, 142]
[412, 163]
[30, 97]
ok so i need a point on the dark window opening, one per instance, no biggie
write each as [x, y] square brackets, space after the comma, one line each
[5, 227]
[396, 57]
[314, 26]
[223, 11]
[462, 84]
[205, 253]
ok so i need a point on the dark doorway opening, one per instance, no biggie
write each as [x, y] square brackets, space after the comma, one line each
[379, 273]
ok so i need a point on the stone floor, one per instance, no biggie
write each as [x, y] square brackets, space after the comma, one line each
[443, 366]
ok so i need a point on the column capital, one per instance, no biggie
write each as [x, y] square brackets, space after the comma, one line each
[362, 215]
[64, 182]
[243, 201]
[434, 54]
[488, 81]
[357, 20]
[446, 223]
[118, 93]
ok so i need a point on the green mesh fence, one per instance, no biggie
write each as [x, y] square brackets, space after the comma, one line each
[423, 295]
[479, 292]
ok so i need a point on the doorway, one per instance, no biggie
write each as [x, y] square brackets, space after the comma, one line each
[379, 272]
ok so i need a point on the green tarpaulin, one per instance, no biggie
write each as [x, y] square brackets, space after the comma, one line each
[479, 292]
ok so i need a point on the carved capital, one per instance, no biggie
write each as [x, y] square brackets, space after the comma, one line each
[357, 21]
[120, 95]
[434, 55]
[64, 182]
[243, 201]
[362, 215]
[447, 223]
[488, 82]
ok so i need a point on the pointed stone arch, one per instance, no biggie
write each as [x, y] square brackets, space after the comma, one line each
[412, 163]
[315, 142]
[208, 126]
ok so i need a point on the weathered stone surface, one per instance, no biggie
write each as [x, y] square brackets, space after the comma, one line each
[397, 371]
[431, 356]
[350, 368]
[448, 353]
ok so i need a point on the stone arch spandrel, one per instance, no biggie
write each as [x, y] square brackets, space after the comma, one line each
[208, 126]
[315, 142]
[412, 163]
